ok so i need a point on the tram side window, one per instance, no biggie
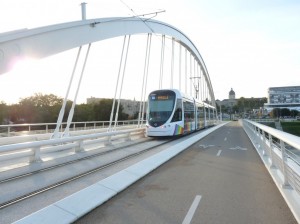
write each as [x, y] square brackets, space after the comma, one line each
[200, 112]
[178, 111]
[189, 111]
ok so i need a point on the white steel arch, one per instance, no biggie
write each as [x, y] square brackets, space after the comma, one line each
[49, 40]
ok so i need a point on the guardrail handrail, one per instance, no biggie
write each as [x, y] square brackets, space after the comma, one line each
[83, 124]
[280, 161]
[35, 149]
[288, 138]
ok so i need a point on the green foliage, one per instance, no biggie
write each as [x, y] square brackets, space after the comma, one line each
[283, 112]
[291, 127]
[3, 111]
[248, 104]
[41, 108]
[102, 110]
[84, 112]
[270, 124]
[245, 105]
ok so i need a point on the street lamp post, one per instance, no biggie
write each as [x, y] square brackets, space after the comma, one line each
[196, 86]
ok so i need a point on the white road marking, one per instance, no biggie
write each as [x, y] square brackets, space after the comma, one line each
[219, 152]
[205, 146]
[191, 212]
[239, 148]
[225, 139]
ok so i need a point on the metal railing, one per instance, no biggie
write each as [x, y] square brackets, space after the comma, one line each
[43, 128]
[34, 151]
[264, 120]
[280, 152]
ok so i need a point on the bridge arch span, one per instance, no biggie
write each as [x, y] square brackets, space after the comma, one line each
[49, 40]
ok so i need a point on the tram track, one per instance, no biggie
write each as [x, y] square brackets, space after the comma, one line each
[40, 190]
[69, 162]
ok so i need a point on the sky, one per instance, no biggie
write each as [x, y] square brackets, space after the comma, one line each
[246, 45]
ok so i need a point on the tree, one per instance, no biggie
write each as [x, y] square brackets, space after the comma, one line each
[40, 108]
[103, 109]
[3, 112]
[84, 112]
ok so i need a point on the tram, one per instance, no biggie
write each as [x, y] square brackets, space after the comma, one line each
[172, 113]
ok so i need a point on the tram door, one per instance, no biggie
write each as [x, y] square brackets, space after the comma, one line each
[189, 116]
[200, 116]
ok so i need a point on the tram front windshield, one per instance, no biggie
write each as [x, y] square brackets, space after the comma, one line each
[161, 105]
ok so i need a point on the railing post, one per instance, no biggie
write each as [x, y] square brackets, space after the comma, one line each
[79, 147]
[264, 143]
[36, 157]
[8, 131]
[252, 130]
[284, 166]
[128, 138]
[271, 151]
[108, 141]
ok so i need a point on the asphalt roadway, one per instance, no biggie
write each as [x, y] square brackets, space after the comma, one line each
[219, 179]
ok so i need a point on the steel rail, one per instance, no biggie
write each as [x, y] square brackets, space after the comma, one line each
[75, 177]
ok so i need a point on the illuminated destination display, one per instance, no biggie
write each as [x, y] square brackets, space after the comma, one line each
[162, 97]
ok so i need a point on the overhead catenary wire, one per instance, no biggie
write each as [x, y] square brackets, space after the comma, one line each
[138, 16]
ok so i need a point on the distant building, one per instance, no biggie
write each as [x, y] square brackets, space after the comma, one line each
[230, 102]
[283, 97]
[130, 107]
[231, 94]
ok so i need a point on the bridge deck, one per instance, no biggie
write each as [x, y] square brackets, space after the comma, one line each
[221, 178]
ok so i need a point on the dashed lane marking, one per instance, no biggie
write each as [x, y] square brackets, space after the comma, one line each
[189, 216]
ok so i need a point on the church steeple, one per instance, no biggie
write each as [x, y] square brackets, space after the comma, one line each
[231, 94]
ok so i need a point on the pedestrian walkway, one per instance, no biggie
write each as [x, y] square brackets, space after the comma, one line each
[219, 179]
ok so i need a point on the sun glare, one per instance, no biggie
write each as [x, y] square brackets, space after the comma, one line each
[16, 83]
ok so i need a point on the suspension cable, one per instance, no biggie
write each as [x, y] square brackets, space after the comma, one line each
[146, 80]
[62, 110]
[200, 85]
[180, 46]
[162, 61]
[191, 74]
[121, 87]
[117, 84]
[71, 113]
[141, 110]
[172, 63]
[185, 70]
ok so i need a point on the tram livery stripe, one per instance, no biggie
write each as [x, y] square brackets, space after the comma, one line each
[178, 130]
[188, 126]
